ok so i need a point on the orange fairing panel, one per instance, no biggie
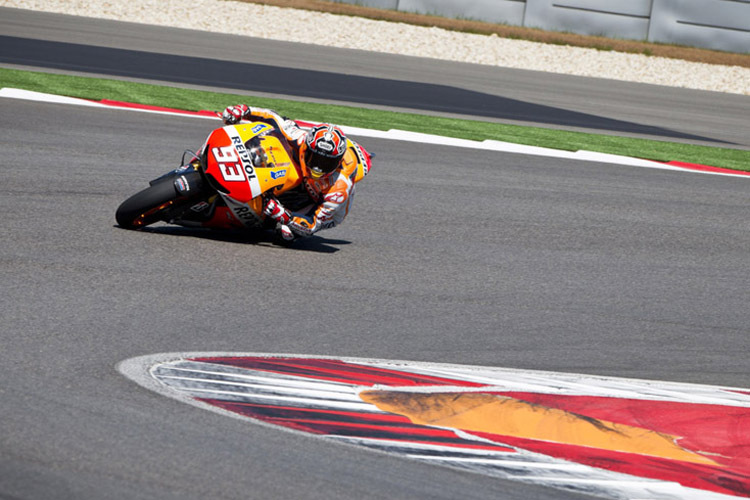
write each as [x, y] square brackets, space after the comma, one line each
[231, 163]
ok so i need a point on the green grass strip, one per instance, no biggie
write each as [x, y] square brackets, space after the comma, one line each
[195, 100]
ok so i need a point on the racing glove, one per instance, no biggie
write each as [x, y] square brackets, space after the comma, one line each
[233, 114]
[276, 211]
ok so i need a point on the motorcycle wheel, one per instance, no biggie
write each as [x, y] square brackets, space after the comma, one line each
[147, 206]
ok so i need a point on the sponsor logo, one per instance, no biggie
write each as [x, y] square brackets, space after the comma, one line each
[244, 157]
[244, 214]
[258, 128]
[278, 175]
[326, 143]
[199, 207]
[182, 184]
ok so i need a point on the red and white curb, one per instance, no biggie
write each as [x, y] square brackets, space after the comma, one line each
[610, 437]
[399, 135]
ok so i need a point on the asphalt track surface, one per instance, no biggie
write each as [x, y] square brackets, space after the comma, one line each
[454, 256]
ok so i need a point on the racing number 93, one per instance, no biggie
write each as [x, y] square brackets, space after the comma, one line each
[229, 163]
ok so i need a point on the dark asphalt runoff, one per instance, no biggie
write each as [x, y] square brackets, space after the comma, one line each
[448, 255]
[299, 82]
[251, 65]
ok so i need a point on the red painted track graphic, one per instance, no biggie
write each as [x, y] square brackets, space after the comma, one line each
[609, 437]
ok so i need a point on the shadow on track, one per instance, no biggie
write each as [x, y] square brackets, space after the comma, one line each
[260, 238]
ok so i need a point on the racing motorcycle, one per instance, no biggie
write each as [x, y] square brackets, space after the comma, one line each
[225, 185]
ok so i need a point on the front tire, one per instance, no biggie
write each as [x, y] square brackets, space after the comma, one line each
[147, 206]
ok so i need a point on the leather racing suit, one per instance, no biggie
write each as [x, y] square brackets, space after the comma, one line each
[329, 197]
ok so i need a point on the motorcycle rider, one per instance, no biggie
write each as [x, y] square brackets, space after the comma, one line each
[328, 162]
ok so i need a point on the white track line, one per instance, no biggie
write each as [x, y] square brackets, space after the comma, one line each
[263, 378]
[269, 388]
[398, 135]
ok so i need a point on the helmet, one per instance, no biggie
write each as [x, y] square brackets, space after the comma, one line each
[325, 147]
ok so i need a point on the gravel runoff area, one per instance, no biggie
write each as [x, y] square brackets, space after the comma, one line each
[397, 38]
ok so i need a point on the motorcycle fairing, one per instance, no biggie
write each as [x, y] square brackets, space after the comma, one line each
[226, 184]
[236, 161]
[365, 161]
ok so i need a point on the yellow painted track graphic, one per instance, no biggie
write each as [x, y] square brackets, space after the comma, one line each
[512, 417]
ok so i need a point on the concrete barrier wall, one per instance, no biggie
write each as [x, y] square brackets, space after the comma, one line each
[714, 24]
[493, 11]
[620, 19]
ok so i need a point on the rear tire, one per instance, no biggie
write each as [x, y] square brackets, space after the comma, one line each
[147, 206]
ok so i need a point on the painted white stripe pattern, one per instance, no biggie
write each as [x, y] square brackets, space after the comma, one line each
[269, 388]
[186, 379]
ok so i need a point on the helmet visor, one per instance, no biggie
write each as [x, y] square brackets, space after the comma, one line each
[320, 165]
